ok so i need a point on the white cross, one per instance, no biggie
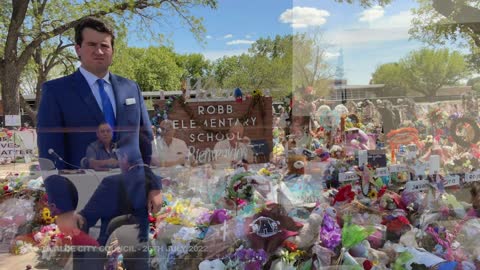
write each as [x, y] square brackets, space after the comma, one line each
[224, 229]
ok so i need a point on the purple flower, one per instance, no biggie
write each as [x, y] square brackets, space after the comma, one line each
[262, 256]
[330, 233]
[255, 265]
[241, 254]
[219, 216]
[250, 254]
[204, 219]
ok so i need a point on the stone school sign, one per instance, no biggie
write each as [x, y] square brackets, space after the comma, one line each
[201, 124]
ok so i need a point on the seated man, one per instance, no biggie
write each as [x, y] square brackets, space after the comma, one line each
[136, 191]
[126, 193]
[234, 149]
[100, 153]
[169, 151]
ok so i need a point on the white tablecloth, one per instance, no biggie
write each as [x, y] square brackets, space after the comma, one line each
[197, 178]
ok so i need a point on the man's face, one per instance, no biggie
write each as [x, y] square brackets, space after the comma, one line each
[167, 131]
[104, 134]
[95, 52]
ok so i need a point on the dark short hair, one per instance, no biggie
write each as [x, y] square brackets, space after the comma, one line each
[104, 123]
[95, 24]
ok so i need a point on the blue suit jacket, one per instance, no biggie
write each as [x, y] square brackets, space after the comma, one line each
[121, 194]
[69, 115]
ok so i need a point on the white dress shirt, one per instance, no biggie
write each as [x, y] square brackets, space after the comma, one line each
[168, 153]
[92, 82]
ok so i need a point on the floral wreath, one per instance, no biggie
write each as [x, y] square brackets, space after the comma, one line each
[463, 122]
[241, 187]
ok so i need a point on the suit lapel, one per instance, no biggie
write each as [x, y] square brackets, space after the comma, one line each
[82, 88]
[119, 98]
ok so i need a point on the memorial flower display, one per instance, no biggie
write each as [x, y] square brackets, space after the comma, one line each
[396, 202]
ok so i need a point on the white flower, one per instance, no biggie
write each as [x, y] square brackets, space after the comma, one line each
[38, 237]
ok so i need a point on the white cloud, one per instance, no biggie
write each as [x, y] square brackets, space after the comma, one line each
[248, 36]
[400, 20]
[208, 37]
[228, 36]
[372, 14]
[388, 28]
[214, 55]
[331, 54]
[240, 41]
[302, 17]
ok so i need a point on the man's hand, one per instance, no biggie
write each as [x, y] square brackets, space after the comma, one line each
[69, 220]
[112, 162]
[155, 201]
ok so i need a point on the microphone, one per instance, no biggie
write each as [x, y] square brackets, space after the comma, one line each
[57, 156]
[83, 161]
[53, 153]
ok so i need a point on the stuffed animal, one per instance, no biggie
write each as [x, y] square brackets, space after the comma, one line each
[296, 165]
[309, 232]
[257, 93]
[238, 95]
[356, 139]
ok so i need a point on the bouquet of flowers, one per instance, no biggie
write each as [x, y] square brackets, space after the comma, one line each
[178, 213]
[49, 240]
[215, 217]
[248, 259]
[290, 254]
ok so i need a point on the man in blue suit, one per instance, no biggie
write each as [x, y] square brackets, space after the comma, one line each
[73, 106]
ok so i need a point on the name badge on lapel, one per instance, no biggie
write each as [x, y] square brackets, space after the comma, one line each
[130, 101]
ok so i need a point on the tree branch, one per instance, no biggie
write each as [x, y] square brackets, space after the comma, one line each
[27, 53]
[463, 14]
[19, 12]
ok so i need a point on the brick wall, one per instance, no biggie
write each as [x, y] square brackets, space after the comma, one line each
[197, 137]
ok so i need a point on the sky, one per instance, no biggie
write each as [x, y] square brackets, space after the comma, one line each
[368, 37]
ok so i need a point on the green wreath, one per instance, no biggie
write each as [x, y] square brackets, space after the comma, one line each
[461, 140]
[240, 187]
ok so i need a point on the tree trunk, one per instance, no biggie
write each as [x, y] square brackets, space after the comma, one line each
[10, 93]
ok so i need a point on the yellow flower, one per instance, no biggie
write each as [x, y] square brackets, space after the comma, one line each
[372, 194]
[173, 220]
[46, 216]
[264, 171]
[278, 149]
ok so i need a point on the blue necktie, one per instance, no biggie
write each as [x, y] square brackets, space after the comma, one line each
[106, 104]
